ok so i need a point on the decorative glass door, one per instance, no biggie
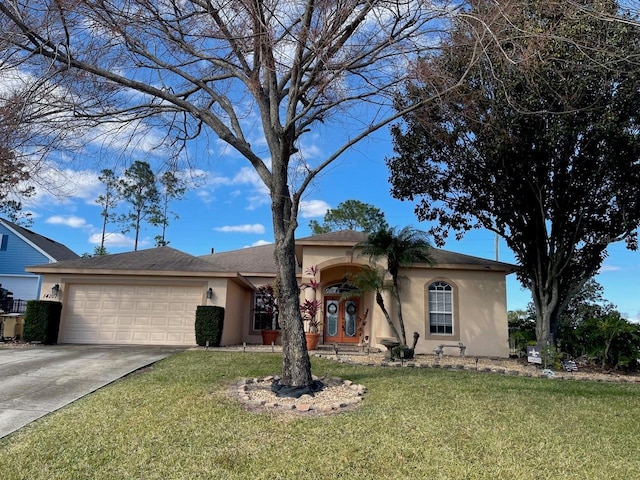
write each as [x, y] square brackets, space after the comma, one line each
[340, 320]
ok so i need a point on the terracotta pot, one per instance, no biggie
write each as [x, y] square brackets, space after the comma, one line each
[269, 336]
[312, 340]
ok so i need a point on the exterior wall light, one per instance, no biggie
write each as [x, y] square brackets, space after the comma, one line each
[55, 290]
[210, 293]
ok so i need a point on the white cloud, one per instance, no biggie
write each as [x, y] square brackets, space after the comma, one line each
[112, 240]
[68, 220]
[313, 208]
[247, 228]
[610, 268]
[259, 243]
[62, 186]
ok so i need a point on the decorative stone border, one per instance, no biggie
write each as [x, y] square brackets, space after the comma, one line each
[337, 395]
[560, 375]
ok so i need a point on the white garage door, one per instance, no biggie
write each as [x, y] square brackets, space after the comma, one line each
[133, 314]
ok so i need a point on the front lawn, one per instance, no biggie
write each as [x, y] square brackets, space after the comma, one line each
[176, 421]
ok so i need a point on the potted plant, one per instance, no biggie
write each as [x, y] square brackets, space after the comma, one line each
[310, 310]
[266, 312]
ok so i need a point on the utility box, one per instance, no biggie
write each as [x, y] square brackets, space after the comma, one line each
[12, 324]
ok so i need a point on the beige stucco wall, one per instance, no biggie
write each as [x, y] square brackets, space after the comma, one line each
[237, 310]
[479, 309]
[480, 305]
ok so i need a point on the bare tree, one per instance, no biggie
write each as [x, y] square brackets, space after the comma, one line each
[14, 171]
[242, 69]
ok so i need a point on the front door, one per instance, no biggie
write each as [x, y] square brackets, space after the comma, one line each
[340, 320]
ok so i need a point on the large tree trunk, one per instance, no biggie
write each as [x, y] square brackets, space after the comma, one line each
[296, 365]
[545, 302]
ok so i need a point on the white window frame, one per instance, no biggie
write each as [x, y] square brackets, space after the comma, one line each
[438, 307]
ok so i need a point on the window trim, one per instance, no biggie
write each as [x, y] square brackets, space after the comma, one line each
[455, 319]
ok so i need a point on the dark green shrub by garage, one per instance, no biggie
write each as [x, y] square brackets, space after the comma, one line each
[209, 323]
[42, 321]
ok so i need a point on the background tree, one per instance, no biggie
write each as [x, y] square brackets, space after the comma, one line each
[399, 249]
[138, 188]
[522, 330]
[540, 144]
[14, 170]
[350, 215]
[271, 69]
[108, 201]
[172, 188]
[592, 328]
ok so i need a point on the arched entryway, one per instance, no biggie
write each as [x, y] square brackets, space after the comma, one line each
[341, 316]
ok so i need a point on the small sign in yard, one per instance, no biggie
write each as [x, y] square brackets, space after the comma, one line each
[533, 355]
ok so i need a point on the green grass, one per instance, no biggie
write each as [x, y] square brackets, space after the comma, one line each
[176, 421]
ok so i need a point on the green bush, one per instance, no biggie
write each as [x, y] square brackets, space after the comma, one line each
[42, 321]
[209, 323]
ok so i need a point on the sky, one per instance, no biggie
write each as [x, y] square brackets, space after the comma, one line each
[230, 210]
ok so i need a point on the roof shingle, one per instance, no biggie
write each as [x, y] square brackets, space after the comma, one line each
[53, 249]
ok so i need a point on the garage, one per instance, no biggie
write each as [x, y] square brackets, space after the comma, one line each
[130, 314]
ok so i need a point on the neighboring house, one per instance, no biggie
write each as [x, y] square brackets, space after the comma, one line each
[150, 296]
[19, 248]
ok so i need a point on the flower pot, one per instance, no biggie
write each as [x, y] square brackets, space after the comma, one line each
[312, 340]
[269, 336]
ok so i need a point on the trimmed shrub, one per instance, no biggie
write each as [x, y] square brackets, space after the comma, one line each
[209, 323]
[42, 321]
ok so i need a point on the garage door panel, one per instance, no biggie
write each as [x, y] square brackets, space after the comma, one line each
[89, 304]
[141, 321]
[160, 307]
[136, 314]
[159, 321]
[110, 305]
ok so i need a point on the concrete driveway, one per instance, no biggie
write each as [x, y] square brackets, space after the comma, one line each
[36, 380]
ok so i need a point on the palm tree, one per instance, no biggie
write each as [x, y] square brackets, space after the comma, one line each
[401, 249]
[371, 279]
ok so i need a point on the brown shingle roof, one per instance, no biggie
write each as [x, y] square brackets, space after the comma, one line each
[51, 248]
[440, 257]
[153, 259]
[252, 260]
[261, 260]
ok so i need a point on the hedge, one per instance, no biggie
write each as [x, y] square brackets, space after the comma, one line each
[42, 321]
[209, 323]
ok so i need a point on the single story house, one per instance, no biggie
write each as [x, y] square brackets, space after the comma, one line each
[150, 296]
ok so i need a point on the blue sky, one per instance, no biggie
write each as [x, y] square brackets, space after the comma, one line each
[230, 210]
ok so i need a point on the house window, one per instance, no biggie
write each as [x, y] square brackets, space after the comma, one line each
[265, 310]
[3, 242]
[440, 309]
